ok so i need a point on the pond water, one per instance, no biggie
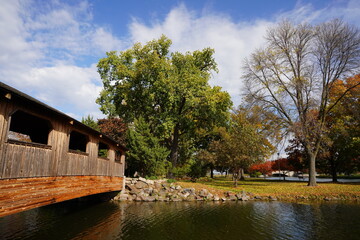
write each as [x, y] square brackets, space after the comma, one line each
[186, 220]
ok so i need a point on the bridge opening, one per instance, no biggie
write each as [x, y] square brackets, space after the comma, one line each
[78, 142]
[118, 156]
[25, 127]
[103, 150]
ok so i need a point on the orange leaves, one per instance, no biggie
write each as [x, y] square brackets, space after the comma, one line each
[264, 168]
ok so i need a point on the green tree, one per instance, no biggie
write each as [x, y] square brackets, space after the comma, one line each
[90, 122]
[242, 145]
[146, 155]
[294, 73]
[170, 91]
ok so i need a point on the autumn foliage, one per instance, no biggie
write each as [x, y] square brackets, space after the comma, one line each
[264, 168]
[114, 128]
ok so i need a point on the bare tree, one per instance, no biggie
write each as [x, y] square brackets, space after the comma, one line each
[293, 74]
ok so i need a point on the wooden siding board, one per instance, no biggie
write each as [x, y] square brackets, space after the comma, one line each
[23, 194]
[17, 161]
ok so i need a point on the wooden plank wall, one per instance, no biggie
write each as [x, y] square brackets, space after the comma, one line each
[22, 194]
[19, 161]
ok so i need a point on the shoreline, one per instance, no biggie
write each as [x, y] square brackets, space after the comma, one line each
[143, 190]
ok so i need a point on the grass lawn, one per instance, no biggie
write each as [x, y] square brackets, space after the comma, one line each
[282, 190]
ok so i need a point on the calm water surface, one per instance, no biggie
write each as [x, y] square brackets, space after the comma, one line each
[186, 220]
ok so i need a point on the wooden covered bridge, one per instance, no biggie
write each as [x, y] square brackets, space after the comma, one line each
[48, 157]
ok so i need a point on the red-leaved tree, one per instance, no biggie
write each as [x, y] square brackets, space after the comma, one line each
[264, 168]
[114, 128]
[283, 166]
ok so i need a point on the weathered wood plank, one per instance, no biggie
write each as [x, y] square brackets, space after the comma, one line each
[23, 194]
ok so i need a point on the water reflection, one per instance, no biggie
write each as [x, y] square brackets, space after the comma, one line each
[186, 220]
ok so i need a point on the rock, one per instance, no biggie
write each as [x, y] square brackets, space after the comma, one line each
[272, 198]
[140, 189]
[142, 180]
[123, 197]
[150, 182]
[188, 190]
[244, 198]
[232, 198]
[162, 199]
[130, 187]
[141, 185]
[148, 190]
[199, 198]
[258, 198]
[149, 199]
[228, 194]
[191, 197]
[157, 185]
[176, 199]
[184, 195]
[203, 192]
[138, 199]
[209, 197]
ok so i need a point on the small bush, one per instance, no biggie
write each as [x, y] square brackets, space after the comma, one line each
[255, 174]
[152, 178]
[171, 180]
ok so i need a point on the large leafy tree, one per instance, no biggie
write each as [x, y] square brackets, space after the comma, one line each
[294, 73]
[169, 91]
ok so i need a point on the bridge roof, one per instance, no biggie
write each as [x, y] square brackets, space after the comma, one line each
[5, 89]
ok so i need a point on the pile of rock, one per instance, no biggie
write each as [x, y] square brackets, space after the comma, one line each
[142, 190]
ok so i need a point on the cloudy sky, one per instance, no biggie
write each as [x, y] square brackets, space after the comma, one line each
[49, 48]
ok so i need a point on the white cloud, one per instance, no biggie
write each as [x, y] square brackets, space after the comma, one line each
[232, 41]
[40, 46]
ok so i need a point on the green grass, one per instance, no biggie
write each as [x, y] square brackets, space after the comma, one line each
[282, 190]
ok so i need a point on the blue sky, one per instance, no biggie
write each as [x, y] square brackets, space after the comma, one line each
[49, 48]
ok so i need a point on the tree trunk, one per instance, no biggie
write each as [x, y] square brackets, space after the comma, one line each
[333, 170]
[236, 177]
[242, 178]
[212, 171]
[312, 171]
[174, 150]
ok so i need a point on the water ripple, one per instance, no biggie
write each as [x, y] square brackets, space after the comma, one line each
[187, 220]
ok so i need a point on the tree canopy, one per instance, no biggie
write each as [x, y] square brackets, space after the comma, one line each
[169, 91]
